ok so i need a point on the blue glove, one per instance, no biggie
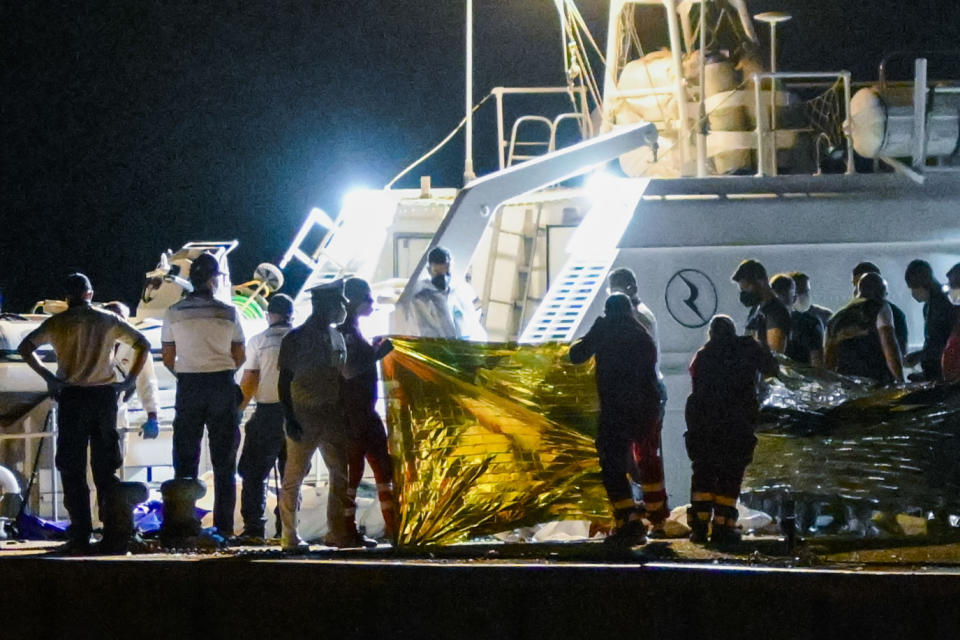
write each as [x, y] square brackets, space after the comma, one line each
[150, 429]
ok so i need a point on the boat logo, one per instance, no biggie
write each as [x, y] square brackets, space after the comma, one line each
[691, 298]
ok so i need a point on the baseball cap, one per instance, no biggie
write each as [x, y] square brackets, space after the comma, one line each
[280, 304]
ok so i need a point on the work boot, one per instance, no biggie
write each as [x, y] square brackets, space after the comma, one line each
[294, 544]
[725, 538]
[181, 527]
[630, 534]
[698, 527]
[119, 532]
[250, 538]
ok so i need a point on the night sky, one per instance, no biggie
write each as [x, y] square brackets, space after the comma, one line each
[133, 127]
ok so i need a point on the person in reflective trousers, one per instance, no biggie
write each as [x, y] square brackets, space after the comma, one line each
[721, 414]
[629, 405]
[359, 393]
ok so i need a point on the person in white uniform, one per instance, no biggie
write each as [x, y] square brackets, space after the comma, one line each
[203, 345]
[263, 445]
[439, 307]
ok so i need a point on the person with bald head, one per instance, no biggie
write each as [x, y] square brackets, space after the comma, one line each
[626, 375]
[860, 337]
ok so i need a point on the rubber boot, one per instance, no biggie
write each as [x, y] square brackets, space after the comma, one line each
[181, 527]
[119, 532]
[699, 522]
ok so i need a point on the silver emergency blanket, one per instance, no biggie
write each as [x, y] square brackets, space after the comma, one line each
[853, 459]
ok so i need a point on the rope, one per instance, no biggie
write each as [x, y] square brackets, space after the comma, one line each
[439, 145]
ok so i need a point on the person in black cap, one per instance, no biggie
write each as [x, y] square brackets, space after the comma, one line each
[899, 318]
[938, 316]
[263, 444]
[860, 339]
[312, 358]
[202, 345]
[83, 339]
[359, 390]
[722, 412]
[769, 319]
[629, 405]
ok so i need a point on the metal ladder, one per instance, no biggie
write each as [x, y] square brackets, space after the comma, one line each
[549, 145]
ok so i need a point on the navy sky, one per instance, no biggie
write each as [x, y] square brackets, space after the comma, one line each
[133, 127]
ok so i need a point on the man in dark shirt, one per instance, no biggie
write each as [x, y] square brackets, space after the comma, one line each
[805, 343]
[629, 404]
[803, 304]
[938, 315]
[769, 319]
[899, 318]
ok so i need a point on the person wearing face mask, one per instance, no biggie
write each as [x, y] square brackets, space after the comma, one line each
[803, 303]
[860, 338]
[769, 319]
[203, 346]
[440, 307]
[938, 316]
[950, 362]
[649, 468]
[805, 344]
[311, 361]
[899, 318]
[629, 405]
[263, 445]
[359, 392]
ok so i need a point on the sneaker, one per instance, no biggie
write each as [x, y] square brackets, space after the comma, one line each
[297, 546]
[249, 539]
[631, 534]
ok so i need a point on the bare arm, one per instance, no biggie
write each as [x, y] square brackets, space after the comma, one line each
[248, 385]
[891, 352]
[777, 340]
[168, 351]
[27, 351]
[239, 354]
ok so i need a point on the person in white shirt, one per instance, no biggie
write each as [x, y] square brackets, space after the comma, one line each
[203, 345]
[86, 389]
[263, 444]
[649, 468]
[439, 306]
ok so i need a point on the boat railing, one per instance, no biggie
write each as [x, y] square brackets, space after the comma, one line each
[762, 133]
[506, 148]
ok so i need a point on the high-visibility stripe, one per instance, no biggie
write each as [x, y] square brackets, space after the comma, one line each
[701, 496]
[654, 506]
[626, 503]
[726, 501]
[719, 520]
[703, 515]
[653, 486]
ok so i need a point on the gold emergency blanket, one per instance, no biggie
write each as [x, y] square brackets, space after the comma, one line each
[490, 437]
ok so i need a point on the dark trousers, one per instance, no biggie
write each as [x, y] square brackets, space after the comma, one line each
[617, 438]
[87, 415]
[263, 445]
[719, 462]
[209, 399]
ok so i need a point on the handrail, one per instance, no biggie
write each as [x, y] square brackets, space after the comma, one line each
[577, 94]
[922, 53]
[788, 75]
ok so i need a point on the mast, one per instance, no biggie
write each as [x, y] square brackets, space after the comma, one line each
[468, 173]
